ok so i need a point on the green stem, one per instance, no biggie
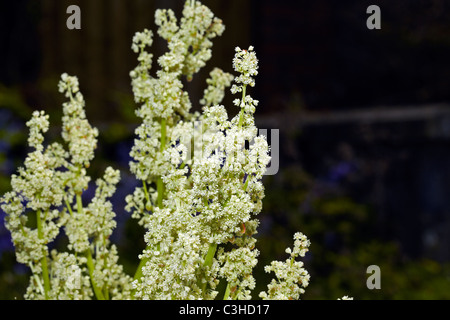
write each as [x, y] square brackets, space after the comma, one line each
[163, 134]
[241, 115]
[79, 204]
[210, 255]
[148, 205]
[105, 263]
[236, 294]
[246, 183]
[36, 278]
[159, 182]
[144, 186]
[106, 293]
[138, 273]
[209, 259]
[227, 292]
[69, 207]
[159, 189]
[44, 258]
[90, 263]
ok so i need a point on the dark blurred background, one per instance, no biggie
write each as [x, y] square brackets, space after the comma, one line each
[364, 120]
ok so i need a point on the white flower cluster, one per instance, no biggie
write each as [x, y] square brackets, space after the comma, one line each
[201, 184]
[246, 63]
[201, 189]
[163, 101]
[217, 83]
[77, 132]
[50, 187]
[191, 38]
[292, 278]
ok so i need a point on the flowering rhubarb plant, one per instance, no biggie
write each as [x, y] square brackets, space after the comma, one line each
[199, 193]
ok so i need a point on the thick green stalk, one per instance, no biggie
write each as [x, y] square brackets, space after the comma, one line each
[210, 254]
[44, 258]
[138, 273]
[90, 263]
[79, 204]
[227, 292]
[209, 259]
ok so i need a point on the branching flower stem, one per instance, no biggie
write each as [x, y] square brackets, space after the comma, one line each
[98, 292]
[241, 115]
[90, 263]
[160, 190]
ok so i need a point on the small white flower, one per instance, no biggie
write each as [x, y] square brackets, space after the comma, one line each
[346, 298]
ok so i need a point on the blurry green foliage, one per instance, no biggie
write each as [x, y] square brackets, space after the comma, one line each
[345, 241]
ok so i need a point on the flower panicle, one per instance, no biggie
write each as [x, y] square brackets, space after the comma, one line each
[200, 184]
